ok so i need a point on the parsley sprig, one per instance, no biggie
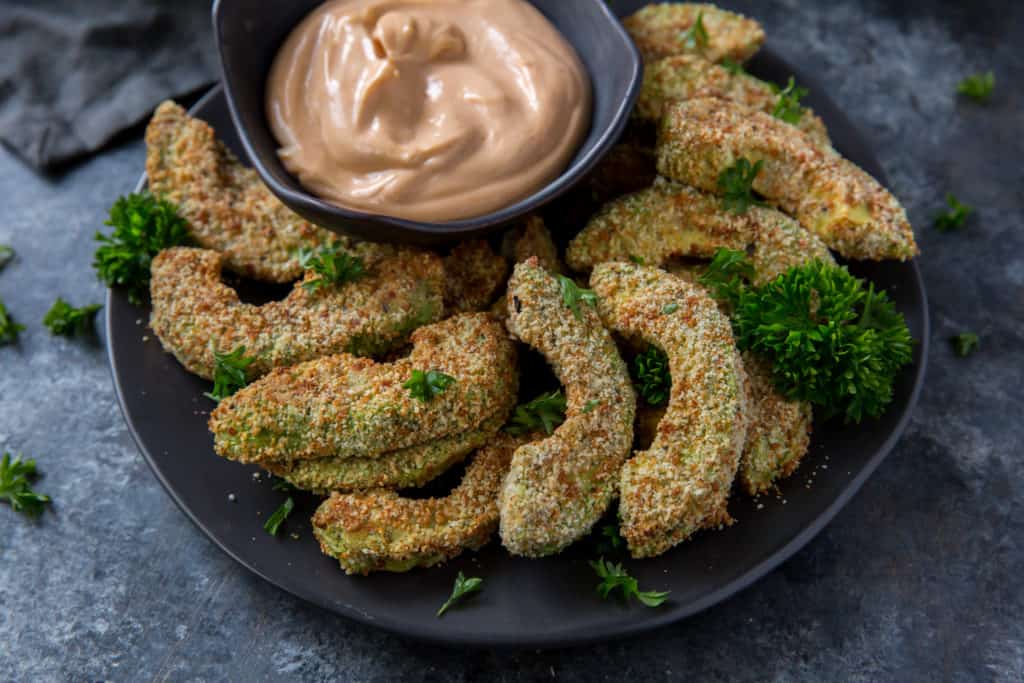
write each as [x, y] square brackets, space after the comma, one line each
[274, 522]
[965, 343]
[462, 588]
[546, 412]
[229, 373]
[9, 329]
[833, 340]
[66, 320]
[424, 386]
[733, 67]
[143, 226]
[696, 37]
[334, 265]
[737, 185]
[788, 107]
[978, 87]
[573, 294]
[727, 274]
[16, 477]
[652, 377]
[6, 256]
[955, 218]
[614, 577]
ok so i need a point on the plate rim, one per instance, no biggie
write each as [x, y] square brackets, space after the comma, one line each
[657, 620]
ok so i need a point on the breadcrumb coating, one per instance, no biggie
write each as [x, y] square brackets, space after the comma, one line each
[685, 77]
[829, 195]
[559, 486]
[682, 482]
[195, 314]
[227, 206]
[343, 406]
[382, 531]
[779, 432]
[659, 30]
[474, 276]
[399, 469]
[670, 221]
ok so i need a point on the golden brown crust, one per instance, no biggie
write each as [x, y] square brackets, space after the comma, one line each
[195, 314]
[830, 196]
[686, 77]
[669, 221]
[659, 30]
[225, 203]
[779, 432]
[382, 531]
[343, 406]
[559, 486]
[682, 482]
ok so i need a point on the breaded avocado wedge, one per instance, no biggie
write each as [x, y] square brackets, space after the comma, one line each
[342, 406]
[403, 468]
[829, 195]
[682, 482]
[559, 486]
[380, 530]
[227, 206]
[664, 29]
[671, 221]
[195, 314]
[685, 77]
[474, 276]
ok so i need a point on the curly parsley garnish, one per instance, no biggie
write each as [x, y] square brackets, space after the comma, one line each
[462, 588]
[334, 265]
[978, 87]
[426, 385]
[274, 522]
[833, 340]
[955, 218]
[6, 256]
[614, 576]
[652, 378]
[8, 328]
[965, 343]
[573, 294]
[229, 373]
[546, 412]
[143, 225]
[16, 478]
[696, 37]
[66, 320]
[590, 405]
[737, 185]
[788, 107]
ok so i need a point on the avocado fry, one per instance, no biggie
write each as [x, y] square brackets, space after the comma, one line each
[379, 530]
[559, 486]
[686, 77]
[671, 28]
[342, 406]
[195, 314]
[830, 196]
[682, 482]
[227, 206]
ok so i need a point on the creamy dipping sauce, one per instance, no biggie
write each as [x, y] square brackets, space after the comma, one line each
[429, 110]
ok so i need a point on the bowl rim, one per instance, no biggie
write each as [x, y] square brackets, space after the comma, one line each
[566, 180]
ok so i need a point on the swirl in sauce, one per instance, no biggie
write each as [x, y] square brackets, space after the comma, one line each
[430, 110]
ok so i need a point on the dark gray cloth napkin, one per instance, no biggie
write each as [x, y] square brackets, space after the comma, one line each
[75, 73]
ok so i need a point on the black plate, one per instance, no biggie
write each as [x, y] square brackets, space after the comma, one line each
[535, 603]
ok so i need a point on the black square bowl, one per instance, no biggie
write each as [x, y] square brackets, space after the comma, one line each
[249, 33]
